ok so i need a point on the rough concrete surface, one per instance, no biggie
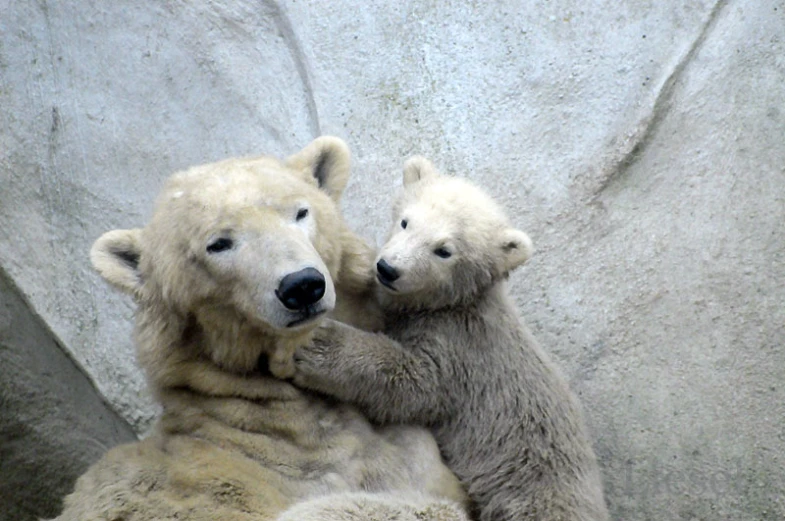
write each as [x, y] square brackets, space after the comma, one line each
[53, 423]
[642, 145]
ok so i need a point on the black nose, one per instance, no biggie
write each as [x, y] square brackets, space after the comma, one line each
[300, 289]
[386, 272]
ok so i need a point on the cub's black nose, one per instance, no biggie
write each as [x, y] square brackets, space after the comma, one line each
[300, 289]
[386, 272]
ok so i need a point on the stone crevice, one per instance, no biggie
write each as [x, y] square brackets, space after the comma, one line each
[289, 36]
[639, 139]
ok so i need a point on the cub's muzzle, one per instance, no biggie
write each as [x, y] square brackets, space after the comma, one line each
[386, 273]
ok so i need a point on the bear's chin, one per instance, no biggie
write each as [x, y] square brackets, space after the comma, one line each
[306, 318]
[398, 288]
[386, 286]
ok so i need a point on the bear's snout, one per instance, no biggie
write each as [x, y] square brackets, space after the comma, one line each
[386, 273]
[301, 289]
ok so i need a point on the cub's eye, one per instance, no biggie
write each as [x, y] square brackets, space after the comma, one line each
[404, 223]
[444, 253]
[220, 244]
[302, 213]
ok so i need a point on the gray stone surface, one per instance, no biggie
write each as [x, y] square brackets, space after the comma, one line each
[640, 143]
[53, 422]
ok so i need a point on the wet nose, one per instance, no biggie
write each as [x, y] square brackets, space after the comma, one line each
[387, 272]
[300, 289]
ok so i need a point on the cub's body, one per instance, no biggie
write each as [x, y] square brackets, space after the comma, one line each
[504, 418]
[455, 357]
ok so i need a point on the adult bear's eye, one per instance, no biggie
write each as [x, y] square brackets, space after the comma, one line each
[302, 213]
[220, 244]
[404, 223]
[444, 253]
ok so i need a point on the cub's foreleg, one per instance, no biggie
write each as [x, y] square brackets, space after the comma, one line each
[390, 382]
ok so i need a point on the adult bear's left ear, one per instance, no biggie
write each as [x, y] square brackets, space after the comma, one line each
[327, 160]
[115, 255]
[516, 248]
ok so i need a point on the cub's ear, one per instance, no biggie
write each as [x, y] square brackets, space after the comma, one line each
[115, 255]
[417, 168]
[516, 248]
[326, 159]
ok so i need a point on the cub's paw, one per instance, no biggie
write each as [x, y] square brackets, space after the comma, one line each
[329, 335]
[312, 363]
[321, 364]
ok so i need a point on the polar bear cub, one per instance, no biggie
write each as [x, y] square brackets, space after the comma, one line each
[455, 357]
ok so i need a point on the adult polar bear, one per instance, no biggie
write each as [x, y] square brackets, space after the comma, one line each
[240, 257]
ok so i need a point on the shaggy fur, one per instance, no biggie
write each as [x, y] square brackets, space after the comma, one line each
[455, 357]
[233, 442]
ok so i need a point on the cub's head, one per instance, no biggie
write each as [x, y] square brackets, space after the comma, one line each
[252, 241]
[449, 242]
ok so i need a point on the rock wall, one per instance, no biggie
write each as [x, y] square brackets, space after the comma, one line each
[640, 144]
[53, 423]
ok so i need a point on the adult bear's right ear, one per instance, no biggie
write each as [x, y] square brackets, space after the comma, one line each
[327, 160]
[115, 255]
[416, 169]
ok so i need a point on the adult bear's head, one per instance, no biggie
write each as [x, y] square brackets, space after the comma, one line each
[250, 244]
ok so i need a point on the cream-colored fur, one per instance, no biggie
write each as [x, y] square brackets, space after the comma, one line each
[357, 506]
[456, 357]
[208, 274]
